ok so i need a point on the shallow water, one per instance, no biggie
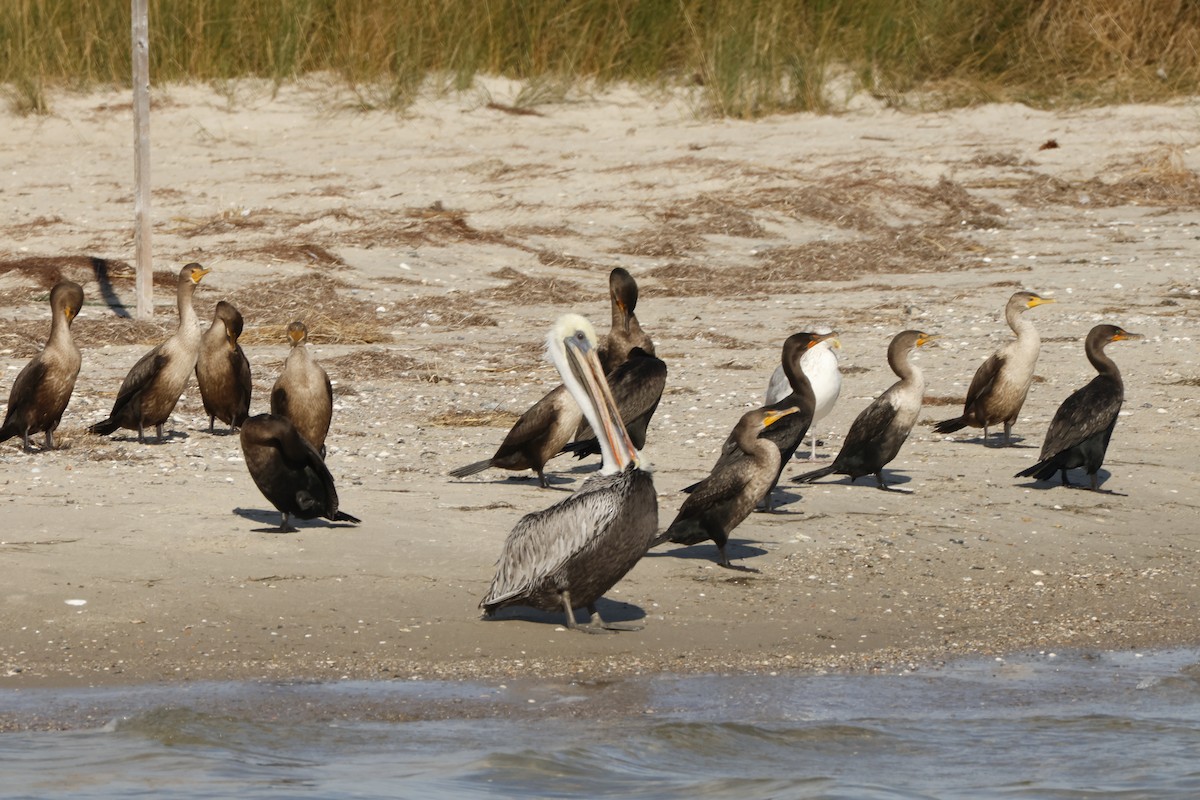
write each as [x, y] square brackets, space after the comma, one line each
[1108, 725]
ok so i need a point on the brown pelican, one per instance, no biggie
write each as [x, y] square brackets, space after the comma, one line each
[789, 432]
[289, 471]
[152, 388]
[1079, 433]
[820, 365]
[40, 394]
[302, 392]
[998, 389]
[570, 554]
[877, 434]
[626, 333]
[720, 502]
[222, 371]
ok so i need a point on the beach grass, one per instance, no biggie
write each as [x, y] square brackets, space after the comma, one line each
[745, 58]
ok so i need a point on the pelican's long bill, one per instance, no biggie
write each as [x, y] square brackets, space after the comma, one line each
[578, 344]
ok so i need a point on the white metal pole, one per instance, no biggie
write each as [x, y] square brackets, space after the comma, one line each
[141, 149]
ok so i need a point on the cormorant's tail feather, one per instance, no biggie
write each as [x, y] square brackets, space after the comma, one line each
[950, 425]
[809, 477]
[470, 469]
[692, 488]
[583, 448]
[104, 427]
[8, 431]
[1043, 470]
[342, 516]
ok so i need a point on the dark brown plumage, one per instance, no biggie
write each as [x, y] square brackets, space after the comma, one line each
[152, 387]
[302, 392]
[789, 431]
[637, 386]
[626, 332]
[222, 371]
[289, 471]
[882, 428]
[998, 389]
[42, 389]
[1078, 435]
[720, 502]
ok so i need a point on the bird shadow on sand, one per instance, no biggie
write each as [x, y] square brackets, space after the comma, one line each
[1055, 482]
[780, 497]
[151, 438]
[609, 611]
[707, 551]
[271, 519]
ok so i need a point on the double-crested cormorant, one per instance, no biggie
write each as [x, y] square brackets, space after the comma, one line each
[820, 365]
[535, 438]
[570, 554]
[789, 431]
[302, 392]
[40, 394]
[1079, 433]
[222, 371]
[720, 502]
[998, 389]
[152, 388]
[877, 433]
[626, 333]
[289, 471]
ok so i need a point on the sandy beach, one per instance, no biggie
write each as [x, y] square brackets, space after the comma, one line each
[430, 251]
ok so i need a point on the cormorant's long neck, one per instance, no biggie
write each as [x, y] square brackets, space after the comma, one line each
[898, 360]
[60, 328]
[747, 439]
[1022, 326]
[187, 313]
[801, 386]
[1100, 360]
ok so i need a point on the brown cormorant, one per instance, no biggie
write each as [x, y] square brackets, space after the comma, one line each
[289, 471]
[152, 388]
[720, 502]
[42, 389]
[998, 389]
[302, 392]
[222, 371]
[1079, 433]
[878, 432]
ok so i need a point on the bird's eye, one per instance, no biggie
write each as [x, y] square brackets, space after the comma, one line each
[580, 336]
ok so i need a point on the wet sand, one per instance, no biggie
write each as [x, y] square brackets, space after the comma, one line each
[429, 252]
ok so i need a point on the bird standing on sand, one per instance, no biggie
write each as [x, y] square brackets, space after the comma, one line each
[42, 389]
[1083, 425]
[1001, 383]
[789, 431]
[222, 371]
[153, 386]
[302, 393]
[570, 554]
[879, 431]
[820, 365]
[289, 471]
[720, 502]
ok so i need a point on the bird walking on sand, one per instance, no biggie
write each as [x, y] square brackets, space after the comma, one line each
[1078, 435]
[820, 365]
[43, 388]
[153, 386]
[570, 554]
[222, 371]
[720, 502]
[302, 393]
[882, 428]
[998, 390]
[289, 471]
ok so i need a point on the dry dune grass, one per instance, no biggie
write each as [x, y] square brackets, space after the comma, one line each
[1156, 178]
[474, 419]
[381, 364]
[452, 311]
